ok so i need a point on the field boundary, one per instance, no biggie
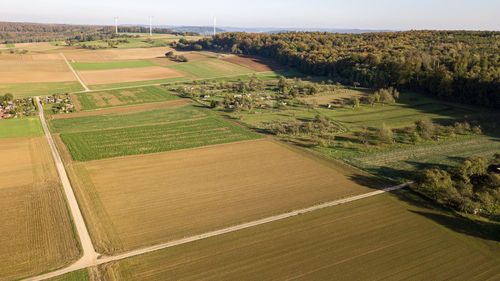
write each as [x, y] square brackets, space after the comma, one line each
[75, 73]
[107, 259]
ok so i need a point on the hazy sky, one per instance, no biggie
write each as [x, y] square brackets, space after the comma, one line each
[372, 14]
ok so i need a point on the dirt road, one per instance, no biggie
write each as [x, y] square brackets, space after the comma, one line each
[75, 73]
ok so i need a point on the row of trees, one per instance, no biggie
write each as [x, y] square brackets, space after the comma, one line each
[472, 187]
[454, 65]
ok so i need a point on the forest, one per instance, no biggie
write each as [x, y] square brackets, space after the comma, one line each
[13, 32]
[459, 66]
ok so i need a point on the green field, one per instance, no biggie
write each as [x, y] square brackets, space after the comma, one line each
[114, 121]
[111, 65]
[10, 46]
[378, 238]
[96, 100]
[138, 83]
[211, 68]
[40, 89]
[137, 137]
[25, 127]
[132, 43]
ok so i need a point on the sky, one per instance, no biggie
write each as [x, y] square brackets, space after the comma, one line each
[362, 14]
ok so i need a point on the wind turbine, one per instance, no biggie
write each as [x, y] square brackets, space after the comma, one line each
[215, 26]
[151, 26]
[116, 25]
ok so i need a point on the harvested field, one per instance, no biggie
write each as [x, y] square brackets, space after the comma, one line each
[134, 136]
[112, 98]
[37, 234]
[161, 197]
[127, 75]
[115, 54]
[32, 71]
[124, 109]
[377, 238]
[256, 64]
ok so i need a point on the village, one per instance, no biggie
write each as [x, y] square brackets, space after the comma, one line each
[15, 108]
[61, 103]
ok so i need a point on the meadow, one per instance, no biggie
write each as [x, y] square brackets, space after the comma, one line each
[144, 200]
[111, 98]
[211, 68]
[379, 238]
[34, 89]
[135, 137]
[37, 233]
[24, 127]
[111, 65]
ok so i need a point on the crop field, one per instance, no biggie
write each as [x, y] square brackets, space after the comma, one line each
[37, 234]
[111, 98]
[157, 198]
[177, 131]
[253, 63]
[114, 76]
[378, 238]
[211, 68]
[139, 83]
[112, 65]
[16, 128]
[34, 89]
[80, 275]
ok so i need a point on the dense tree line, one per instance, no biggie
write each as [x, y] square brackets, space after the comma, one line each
[453, 65]
[471, 187]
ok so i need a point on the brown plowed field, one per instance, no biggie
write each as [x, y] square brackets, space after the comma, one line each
[36, 232]
[257, 64]
[138, 201]
[124, 109]
[128, 75]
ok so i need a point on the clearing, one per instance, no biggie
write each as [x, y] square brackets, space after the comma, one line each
[37, 229]
[139, 201]
[378, 238]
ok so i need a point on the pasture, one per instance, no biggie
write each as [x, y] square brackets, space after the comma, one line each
[379, 238]
[145, 133]
[112, 98]
[37, 234]
[24, 127]
[139, 201]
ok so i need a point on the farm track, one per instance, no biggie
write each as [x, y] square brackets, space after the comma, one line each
[75, 73]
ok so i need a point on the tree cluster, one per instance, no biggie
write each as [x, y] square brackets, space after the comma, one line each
[461, 66]
[177, 58]
[472, 187]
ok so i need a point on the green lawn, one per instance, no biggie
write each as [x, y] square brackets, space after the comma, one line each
[111, 65]
[96, 100]
[24, 127]
[40, 89]
[211, 68]
[156, 131]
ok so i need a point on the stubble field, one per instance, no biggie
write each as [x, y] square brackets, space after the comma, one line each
[378, 238]
[139, 201]
[37, 235]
